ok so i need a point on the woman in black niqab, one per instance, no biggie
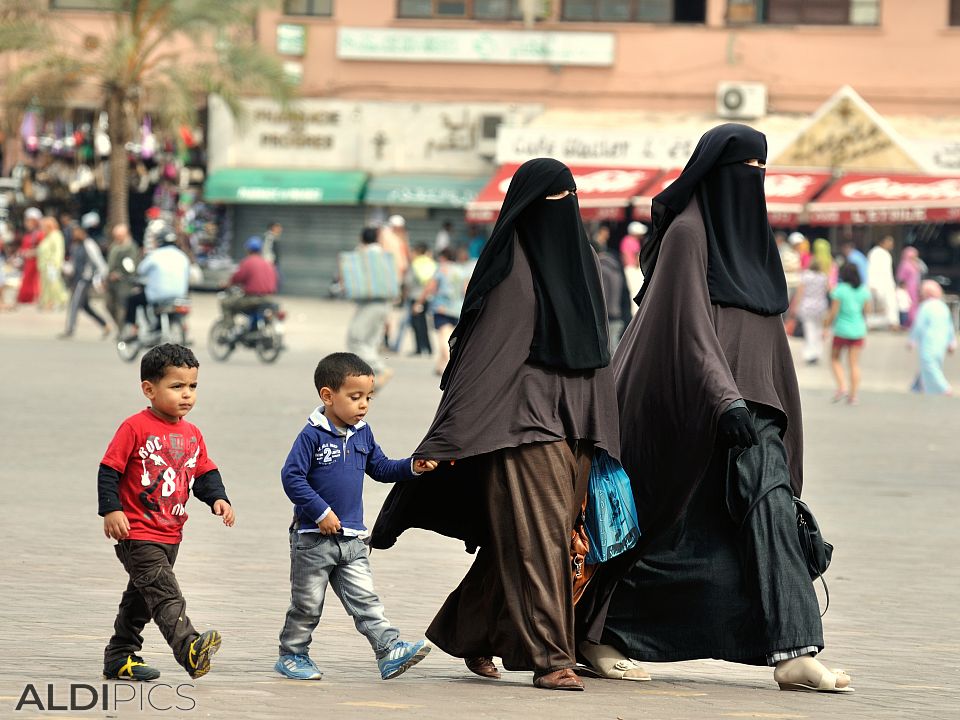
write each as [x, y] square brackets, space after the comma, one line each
[743, 264]
[571, 329]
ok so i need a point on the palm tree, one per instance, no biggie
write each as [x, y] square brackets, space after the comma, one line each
[138, 67]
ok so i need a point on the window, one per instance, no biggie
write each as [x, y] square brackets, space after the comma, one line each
[665, 11]
[476, 9]
[318, 8]
[955, 12]
[82, 4]
[804, 12]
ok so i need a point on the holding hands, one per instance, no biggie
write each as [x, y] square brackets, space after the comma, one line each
[422, 466]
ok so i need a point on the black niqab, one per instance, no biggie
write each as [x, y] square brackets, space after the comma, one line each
[571, 328]
[743, 264]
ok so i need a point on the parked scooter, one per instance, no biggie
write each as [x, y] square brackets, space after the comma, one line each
[259, 328]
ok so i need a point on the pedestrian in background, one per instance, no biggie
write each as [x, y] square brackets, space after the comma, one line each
[851, 254]
[51, 253]
[630, 246]
[88, 270]
[910, 273]
[29, 290]
[809, 307]
[367, 325]
[883, 286]
[614, 286]
[824, 256]
[933, 335]
[121, 272]
[847, 318]
[421, 271]
[444, 237]
[445, 293]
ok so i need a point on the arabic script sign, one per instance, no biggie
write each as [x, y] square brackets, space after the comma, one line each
[476, 46]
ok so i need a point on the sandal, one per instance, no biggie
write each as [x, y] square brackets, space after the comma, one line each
[826, 684]
[607, 662]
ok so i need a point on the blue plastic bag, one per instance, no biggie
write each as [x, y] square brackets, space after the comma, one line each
[611, 514]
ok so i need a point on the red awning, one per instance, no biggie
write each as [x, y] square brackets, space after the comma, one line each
[787, 192]
[603, 193]
[893, 199]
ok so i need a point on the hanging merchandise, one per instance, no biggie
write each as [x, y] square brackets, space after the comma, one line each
[148, 141]
[101, 138]
[28, 132]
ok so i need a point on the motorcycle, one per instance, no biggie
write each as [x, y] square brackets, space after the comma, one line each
[259, 328]
[156, 324]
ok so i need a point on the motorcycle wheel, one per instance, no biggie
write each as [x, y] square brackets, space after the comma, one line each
[128, 349]
[269, 344]
[178, 334]
[219, 343]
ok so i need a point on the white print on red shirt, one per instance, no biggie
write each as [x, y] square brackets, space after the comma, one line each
[163, 471]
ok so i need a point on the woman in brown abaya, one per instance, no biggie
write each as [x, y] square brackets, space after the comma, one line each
[527, 397]
[712, 439]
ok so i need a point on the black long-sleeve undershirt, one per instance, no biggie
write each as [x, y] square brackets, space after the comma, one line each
[207, 488]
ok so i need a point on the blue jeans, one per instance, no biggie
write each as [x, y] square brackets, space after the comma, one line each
[318, 560]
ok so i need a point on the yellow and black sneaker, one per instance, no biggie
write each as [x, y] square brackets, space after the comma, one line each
[201, 650]
[132, 668]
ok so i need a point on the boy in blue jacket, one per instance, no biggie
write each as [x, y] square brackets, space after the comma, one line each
[323, 476]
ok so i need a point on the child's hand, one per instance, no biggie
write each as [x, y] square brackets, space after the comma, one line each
[222, 507]
[116, 525]
[330, 525]
[422, 466]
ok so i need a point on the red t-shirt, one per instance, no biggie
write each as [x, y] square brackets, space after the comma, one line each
[157, 461]
[256, 276]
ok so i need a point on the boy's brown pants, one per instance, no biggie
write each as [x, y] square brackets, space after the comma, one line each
[152, 594]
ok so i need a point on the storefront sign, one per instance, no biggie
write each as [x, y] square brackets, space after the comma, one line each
[476, 46]
[595, 147]
[291, 39]
[378, 137]
[847, 134]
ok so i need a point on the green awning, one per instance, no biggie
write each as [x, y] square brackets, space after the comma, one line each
[424, 190]
[284, 187]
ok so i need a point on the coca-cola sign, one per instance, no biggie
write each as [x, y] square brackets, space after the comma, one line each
[891, 188]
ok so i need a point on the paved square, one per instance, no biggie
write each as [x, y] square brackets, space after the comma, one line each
[883, 478]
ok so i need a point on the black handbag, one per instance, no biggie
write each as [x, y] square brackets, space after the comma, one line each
[816, 551]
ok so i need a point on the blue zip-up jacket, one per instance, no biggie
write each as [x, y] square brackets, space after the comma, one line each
[325, 470]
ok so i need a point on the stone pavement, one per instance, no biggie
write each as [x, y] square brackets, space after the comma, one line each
[882, 477]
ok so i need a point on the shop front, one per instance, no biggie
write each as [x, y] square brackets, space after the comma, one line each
[319, 211]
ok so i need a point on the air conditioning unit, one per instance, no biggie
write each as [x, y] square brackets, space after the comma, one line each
[741, 100]
[489, 125]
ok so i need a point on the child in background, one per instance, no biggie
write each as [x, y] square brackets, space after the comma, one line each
[152, 464]
[323, 477]
[904, 303]
[848, 319]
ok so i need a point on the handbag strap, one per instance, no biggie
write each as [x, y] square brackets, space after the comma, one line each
[808, 553]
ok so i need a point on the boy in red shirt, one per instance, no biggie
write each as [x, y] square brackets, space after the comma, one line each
[153, 462]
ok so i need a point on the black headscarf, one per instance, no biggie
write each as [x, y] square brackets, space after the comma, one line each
[743, 264]
[571, 326]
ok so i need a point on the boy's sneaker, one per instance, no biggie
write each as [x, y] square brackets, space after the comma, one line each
[201, 650]
[298, 667]
[401, 657]
[131, 668]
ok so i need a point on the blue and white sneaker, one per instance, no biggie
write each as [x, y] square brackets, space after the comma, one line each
[298, 667]
[402, 657]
